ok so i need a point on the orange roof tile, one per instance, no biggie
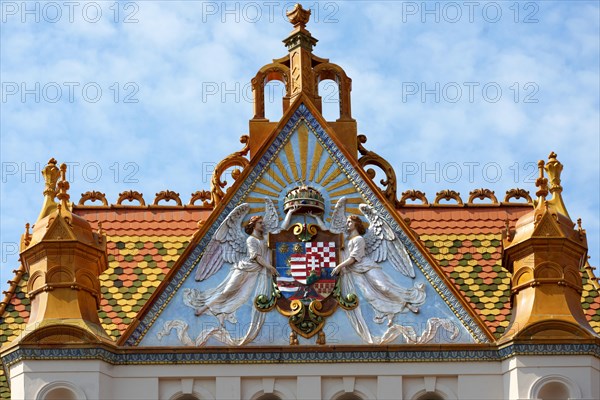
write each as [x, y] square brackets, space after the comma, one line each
[466, 242]
[145, 242]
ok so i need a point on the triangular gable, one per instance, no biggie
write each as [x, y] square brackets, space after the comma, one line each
[302, 150]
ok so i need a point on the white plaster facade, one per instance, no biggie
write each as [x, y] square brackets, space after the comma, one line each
[518, 378]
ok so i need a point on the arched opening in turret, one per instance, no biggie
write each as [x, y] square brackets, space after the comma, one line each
[186, 397]
[430, 396]
[60, 391]
[274, 91]
[555, 387]
[554, 391]
[60, 394]
[268, 396]
[348, 396]
[329, 91]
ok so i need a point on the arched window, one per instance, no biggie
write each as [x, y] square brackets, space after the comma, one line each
[553, 391]
[186, 397]
[60, 391]
[430, 396]
[554, 387]
[60, 394]
[329, 90]
[268, 396]
[274, 91]
[348, 396]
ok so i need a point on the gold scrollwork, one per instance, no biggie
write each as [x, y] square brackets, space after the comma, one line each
[482, 194]
[304, 232]
[236, 159]
[517, 194]
[413, 195]
[93, 196]
[372, 158]
[167, 195]
[203, 195]
[131, 195]
[447, 195]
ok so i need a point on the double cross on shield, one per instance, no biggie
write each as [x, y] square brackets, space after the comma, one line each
[305, 269]
[305, 291]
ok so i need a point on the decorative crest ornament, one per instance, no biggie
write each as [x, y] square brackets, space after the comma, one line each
[298, 16]
[482, 194]
[447, 194]
[305, 290]
[237, 159]
[305, 199]
[93, 196]
[554, 169]
[51, 173]
[369, 157]
[167, 195]
[413, 195]
[131, 195]
[517, 193]
[542, 183]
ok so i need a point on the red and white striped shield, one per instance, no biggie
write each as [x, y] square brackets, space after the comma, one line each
[317, 255]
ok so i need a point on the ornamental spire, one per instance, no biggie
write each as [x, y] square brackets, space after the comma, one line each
[300, 45]
[63, 187]
[554, 169]
[301, 72]
[51, 174]
[545, 255]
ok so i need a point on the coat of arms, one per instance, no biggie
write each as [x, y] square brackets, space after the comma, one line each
[305, 256]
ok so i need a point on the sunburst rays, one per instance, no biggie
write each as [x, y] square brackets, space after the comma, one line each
[304, 159]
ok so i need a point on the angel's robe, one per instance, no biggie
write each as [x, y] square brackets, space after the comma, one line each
[245, 278]
[384, 295]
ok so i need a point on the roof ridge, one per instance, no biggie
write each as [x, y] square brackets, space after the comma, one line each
[9, 294]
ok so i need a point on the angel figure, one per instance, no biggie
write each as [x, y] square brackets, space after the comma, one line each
[365, 249]
[251, 270]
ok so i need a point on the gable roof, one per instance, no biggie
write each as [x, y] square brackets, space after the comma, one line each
[301, 111]
[465, 242]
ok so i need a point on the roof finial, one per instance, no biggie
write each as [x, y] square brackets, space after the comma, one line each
[554, 169]
[298, 16]
[27, 235]
[542, 183]
[63, 187]
[51, 174]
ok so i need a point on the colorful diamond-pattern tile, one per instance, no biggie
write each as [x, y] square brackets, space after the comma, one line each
[473, 264]
[466, 243]
[590, 301]
[144, 244]
[137, 265]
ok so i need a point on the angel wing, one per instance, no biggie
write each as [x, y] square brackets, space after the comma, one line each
[338, 217]
[227, 245]
[271, 217]
[381, 243]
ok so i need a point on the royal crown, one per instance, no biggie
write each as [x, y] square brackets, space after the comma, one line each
[306, 198]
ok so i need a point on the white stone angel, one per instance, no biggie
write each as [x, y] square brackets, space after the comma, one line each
[250, 260]
[361, 269]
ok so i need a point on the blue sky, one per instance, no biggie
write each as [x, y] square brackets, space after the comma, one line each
[150, 95]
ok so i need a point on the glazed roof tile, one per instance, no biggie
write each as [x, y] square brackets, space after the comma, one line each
[467, 244]
[144, 243]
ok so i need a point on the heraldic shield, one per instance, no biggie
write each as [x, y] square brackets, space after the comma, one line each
[305, 290]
